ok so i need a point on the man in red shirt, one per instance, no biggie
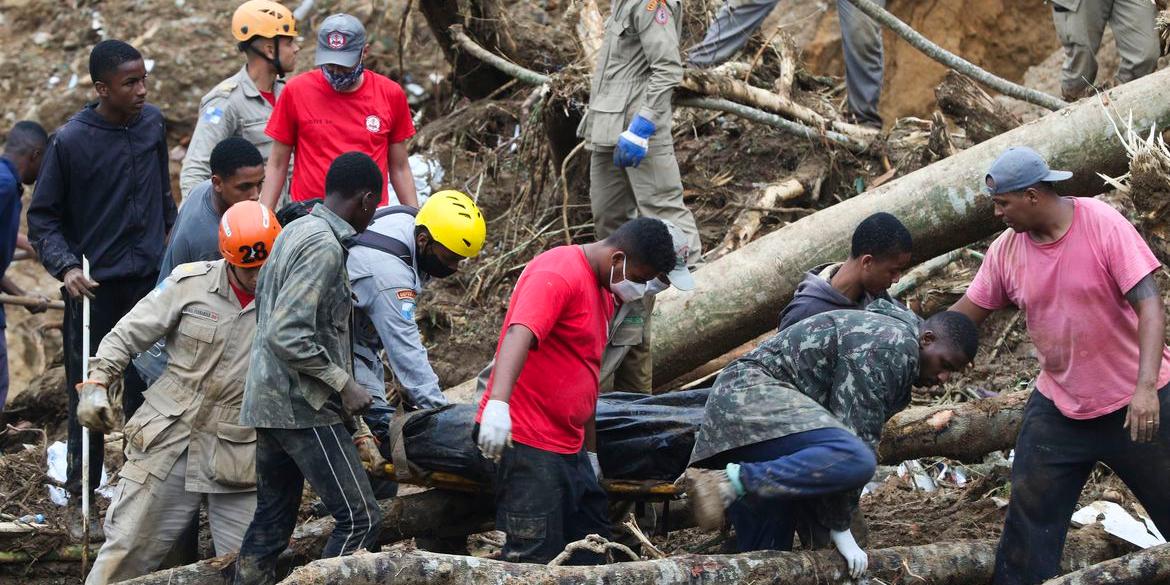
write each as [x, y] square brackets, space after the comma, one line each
[1084, 277]
[536, 416]
[337, 108]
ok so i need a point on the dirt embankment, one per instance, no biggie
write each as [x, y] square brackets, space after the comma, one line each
[1002, 36]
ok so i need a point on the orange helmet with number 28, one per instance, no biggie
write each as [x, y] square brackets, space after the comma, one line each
[246, 234]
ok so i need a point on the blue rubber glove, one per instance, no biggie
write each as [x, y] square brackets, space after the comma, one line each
[632, 144]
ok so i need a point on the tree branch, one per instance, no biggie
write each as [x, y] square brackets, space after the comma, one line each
[952, 61]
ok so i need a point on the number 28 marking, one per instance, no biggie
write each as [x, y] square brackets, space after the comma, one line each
[254, 253]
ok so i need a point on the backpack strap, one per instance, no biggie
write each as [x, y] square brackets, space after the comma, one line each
[384, 243]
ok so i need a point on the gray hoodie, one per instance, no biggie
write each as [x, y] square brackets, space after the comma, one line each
[815, 295]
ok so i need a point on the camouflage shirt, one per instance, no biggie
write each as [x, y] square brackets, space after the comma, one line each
[846, 369]
[303, 352]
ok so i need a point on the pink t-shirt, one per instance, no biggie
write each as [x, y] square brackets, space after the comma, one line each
[1073, 293]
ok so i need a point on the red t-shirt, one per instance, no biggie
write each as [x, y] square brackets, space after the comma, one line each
[268, 96]
[1073, 294]
[558, 299]
[242, 295]
[322, 124]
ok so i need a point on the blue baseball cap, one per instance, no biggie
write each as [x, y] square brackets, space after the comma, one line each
[1018, 168]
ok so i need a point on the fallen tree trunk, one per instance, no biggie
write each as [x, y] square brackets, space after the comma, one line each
[1151, 565]
[943, 205]
[972, 109]
[434, 513]
[965, 431]
[953, 563]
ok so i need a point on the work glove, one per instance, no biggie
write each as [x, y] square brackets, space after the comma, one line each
[632, 144]
[367, 448]
[595, 464]
[495, 429]
[855, 558]
[93, 407]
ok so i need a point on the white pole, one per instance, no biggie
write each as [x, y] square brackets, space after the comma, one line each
[84, 431]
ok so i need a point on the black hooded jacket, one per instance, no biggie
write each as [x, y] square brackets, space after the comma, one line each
[104, 191]
[816, 295]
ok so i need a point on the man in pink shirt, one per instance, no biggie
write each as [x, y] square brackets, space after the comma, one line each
[1084, 277]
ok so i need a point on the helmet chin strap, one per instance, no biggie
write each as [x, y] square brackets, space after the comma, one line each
[275, 60]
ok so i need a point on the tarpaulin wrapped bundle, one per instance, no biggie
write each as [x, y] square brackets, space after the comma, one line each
[639, 437]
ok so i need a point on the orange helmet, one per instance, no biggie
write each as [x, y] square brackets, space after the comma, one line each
[246, 234]
[263, 18]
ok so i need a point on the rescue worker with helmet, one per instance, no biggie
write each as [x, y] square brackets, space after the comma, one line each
[184, 445]
[389, 264]
[240, 105]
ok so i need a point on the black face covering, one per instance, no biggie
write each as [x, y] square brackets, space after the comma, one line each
[430, 264]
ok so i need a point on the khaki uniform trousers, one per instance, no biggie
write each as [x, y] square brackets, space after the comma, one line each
[652, 189]
[1080, 24]
[144, 520]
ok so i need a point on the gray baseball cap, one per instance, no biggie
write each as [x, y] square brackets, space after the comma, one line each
[680, 277]
[1018, 168]
[340, 41]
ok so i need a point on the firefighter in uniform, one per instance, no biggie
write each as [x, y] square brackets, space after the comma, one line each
[389, 264]
[184, 445]
[241, 104]
[632, 168]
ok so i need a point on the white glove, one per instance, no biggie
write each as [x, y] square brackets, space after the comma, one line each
[856, 558]
[495, 429]
[595, 464]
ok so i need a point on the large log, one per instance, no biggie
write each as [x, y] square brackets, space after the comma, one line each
[738, 296]
[965, 431]
[953, 563]
[434, 513]
[1151, 565]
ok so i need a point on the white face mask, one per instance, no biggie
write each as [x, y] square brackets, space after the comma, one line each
[627, 290]
[655, 286]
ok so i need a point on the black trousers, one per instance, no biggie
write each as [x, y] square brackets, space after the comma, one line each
[545, 500]
[285, 458]
[1054, 457]
[112, 300]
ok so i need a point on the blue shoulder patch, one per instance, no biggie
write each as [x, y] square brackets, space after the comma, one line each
[213, 114]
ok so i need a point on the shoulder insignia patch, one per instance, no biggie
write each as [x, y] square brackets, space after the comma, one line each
[190, 269]
[663, 14]
[406, 302]
[212, 114]
[652, 5]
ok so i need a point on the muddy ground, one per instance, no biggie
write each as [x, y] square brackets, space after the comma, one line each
[496, 150]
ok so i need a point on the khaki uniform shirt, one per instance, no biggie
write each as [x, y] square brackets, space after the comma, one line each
[234, 108]
[195, 405]
[638, 67]
[303, 354]
[626, 331]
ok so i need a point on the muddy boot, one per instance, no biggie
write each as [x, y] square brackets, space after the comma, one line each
[73, 524]
[711, 492]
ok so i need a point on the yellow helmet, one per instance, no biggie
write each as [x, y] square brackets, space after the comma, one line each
[454, 221]
[263, 18]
